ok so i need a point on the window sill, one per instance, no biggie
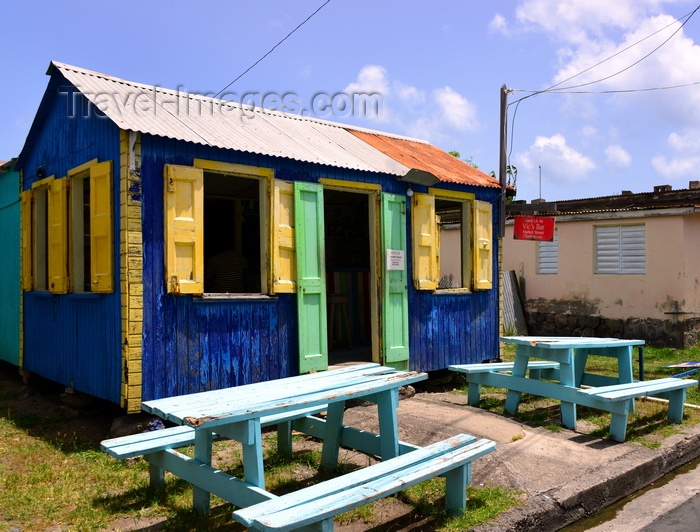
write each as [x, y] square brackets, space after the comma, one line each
[70, 295]
[451, 291]
[214, 298]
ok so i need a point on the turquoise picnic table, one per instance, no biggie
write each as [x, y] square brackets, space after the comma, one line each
[572, 355]
[239, 414]
[559, 372]
[295, 403]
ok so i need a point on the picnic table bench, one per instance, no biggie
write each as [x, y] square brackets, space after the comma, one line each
[451, 458]
[478, 374]
[614, 394]
[150, 442]
[616, 399]
[239, 413]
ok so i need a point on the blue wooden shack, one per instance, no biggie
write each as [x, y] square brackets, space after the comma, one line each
[10, 294]
[178, 243]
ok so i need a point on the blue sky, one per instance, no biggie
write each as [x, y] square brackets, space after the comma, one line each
[437, 67]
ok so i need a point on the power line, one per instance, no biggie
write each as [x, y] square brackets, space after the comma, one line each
[565, 90]
[273, 48]
[553, 88]
[639, 60]
[647, 89]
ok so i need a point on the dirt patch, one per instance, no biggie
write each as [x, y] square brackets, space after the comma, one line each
[75, 414]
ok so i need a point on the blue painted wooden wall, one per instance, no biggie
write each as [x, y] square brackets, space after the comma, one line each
[73, 339]
[10, 293]
[192, 345]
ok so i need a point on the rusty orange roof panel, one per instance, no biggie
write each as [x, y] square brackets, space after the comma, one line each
[422, 156]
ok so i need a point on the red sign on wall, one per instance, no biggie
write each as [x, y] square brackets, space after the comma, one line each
[533, 228]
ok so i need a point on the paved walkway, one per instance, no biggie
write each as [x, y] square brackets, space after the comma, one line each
[566, 475]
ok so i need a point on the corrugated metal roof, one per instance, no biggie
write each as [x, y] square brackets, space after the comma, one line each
[428, 158]
[224, 124]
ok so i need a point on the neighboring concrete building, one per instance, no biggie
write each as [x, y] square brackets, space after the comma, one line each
[625, 266]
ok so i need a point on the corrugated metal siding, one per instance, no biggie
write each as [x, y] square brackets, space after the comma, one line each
[73, 339]
[514, 322]
[10, 293]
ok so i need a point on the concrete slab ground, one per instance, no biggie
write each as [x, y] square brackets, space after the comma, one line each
[564, 475]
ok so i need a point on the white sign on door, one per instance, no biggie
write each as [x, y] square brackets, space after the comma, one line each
[395, 259]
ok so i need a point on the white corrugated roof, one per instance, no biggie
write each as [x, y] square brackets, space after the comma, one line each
[228, 125]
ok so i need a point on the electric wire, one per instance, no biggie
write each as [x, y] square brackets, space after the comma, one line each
[553, 88]
[565, 90]
[251, 67]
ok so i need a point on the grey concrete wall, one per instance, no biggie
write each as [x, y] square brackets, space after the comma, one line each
[678, 332]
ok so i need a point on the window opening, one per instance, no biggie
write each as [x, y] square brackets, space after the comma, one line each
[80, 232]
[453, 237]
[231, 234]
[40, 237]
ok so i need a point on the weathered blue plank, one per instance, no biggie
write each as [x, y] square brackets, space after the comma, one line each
[73, 339]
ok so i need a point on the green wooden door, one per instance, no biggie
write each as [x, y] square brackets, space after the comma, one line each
[395, 281]
[311, 277]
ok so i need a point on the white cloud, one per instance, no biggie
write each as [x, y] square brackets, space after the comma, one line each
[618, 156]
[436, 115]
[627, 44]
[455, 109]
[589, 131]
[561, 162]
[580, 21]
[623, 46]
[408, 94]
[371, 79]
[687, 142]
[678, 168]
[498, 24]
[684, 161]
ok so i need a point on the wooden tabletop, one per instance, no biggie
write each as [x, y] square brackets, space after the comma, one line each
[240, 403]
[569, 342]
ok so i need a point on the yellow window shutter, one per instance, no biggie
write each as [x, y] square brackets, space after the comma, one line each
[483, 245]
[26, 231]
[57, 236]
[283, 245]
[184, 229]
[101, 241]
[426, 246]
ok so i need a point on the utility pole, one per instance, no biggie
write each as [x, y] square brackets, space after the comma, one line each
[502, 162]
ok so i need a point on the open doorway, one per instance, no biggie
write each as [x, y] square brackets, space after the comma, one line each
[349, 276]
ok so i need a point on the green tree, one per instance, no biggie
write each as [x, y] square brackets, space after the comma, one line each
[468, 160]
[511, 175]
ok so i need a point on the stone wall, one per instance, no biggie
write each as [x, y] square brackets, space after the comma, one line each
[675, 332]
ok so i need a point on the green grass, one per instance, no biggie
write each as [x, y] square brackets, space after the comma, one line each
[647, 425]
[51, 477]
[54, 479]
